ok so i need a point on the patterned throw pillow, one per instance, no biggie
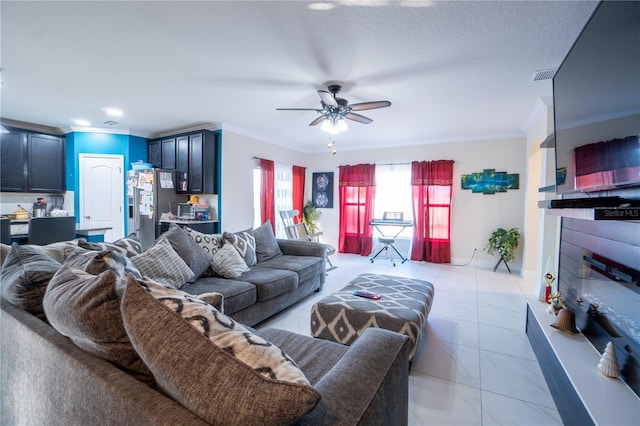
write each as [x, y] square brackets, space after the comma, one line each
[161, 263]
[210, 364]
[129, 246]
[211, 243]
[245, 243]
[25, 276]
[193, 255]
[86, 308]
[96, 263]
[266, 244]
[228, 263]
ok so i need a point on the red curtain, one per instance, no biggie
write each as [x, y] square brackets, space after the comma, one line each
[267, 199]
[298, 187]
[431, 183]
[357, 191]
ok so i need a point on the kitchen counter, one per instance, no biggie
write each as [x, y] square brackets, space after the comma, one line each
[20, 231]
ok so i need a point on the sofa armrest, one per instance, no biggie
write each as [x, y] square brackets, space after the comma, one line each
[301, 248]
[368, 385]
[46, 379]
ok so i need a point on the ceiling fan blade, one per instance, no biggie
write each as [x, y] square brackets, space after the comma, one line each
[318, 120]
[327, 98]
[298, 109]
[369, 105]
[357, 117]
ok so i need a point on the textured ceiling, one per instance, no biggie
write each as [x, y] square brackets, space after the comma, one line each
[452, 70]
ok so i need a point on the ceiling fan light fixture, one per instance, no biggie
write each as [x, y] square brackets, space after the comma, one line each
[342, 125]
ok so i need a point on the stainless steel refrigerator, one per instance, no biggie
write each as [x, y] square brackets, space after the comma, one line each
[151, 192]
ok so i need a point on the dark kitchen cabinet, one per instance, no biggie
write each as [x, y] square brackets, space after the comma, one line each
[32, 162]
[196, 164]
[154, 153]
[195, 157]
[45, 163]
[168, 154]
[13, 162]
[203, 162]
[182, 163]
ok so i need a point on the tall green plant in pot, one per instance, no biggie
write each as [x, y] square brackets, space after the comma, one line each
[310, 214]
[504, 243]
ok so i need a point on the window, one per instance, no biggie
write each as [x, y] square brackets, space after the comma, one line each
[283, 193]
[393, 192]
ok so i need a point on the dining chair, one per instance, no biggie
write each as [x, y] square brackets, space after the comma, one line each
[47, 230]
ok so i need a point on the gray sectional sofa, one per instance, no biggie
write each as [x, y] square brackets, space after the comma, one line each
[282, 272]
[47, 380]
[128, 358]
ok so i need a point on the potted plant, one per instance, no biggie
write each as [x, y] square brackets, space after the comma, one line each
[503, 242]
[309, 215]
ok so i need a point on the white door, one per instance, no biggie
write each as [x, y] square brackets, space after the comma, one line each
[102, 193]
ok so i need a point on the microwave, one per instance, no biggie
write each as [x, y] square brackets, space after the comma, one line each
[186, 211]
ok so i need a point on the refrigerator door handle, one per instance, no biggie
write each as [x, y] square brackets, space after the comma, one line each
[136, 211]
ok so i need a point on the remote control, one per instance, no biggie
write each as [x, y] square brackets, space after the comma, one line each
[367, 294]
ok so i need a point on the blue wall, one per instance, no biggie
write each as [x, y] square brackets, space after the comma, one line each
[132, 148]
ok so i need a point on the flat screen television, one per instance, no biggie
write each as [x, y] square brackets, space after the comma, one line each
[596, 98]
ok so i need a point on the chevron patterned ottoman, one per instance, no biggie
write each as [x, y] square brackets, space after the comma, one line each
[403, 308]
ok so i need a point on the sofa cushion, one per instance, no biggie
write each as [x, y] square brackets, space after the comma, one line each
[271, 282]
[210, 243]
[193, 255]
[315, 357]
[228, 263]
[213, 366]
[305, 266]
[86, 308]
[245, 243]
[161, 263]
[237, 294]
[129, 246]
[25, 275]
[266, 244]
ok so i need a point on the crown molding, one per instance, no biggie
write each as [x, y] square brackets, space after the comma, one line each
[194, 128]
[6, 122]
[541, 107]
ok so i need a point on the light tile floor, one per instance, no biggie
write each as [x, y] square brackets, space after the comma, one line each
[474, 364]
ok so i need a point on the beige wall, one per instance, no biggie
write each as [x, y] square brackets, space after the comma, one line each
[475, 216]
[237, 175]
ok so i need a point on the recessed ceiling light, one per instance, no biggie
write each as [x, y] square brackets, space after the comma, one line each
[81, 122]
[321, 5]
[113, 112]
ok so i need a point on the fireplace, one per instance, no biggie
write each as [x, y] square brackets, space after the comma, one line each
[599, 277]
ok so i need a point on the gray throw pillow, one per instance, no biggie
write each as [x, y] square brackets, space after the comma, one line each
[86, 308]
[266, 244]
[193, 255]
[96, 262]
[245, 243]
[161, 263]
[213, 366]
[228, 263]
[26, 273]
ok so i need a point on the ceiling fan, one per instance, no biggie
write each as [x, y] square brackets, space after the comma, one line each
[335, 110]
